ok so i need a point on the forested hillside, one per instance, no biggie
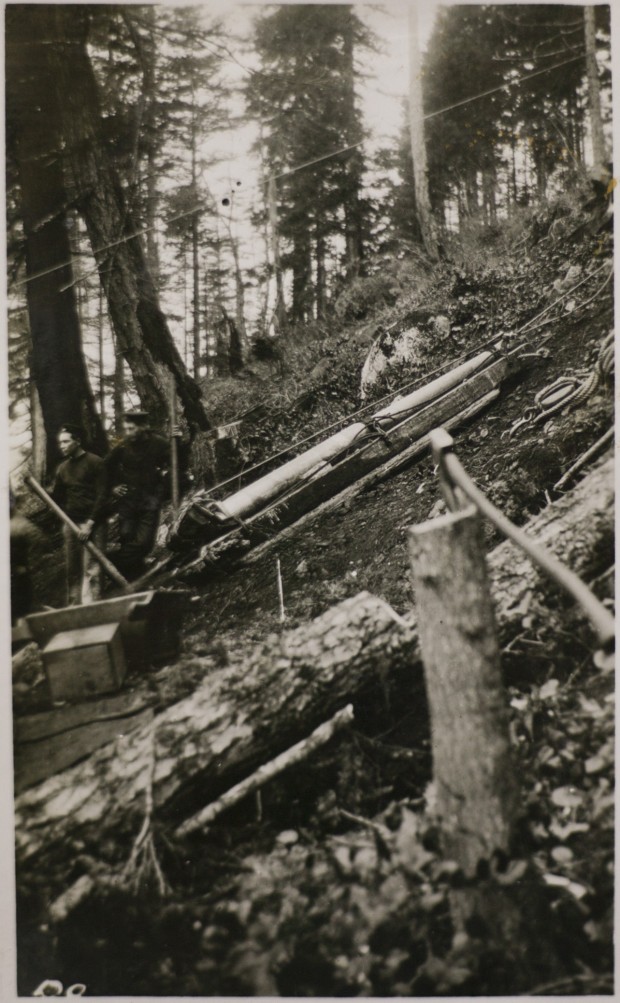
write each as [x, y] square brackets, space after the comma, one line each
[206, 221]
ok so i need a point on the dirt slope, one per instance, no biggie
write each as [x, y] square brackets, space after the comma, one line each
[252, 904]
[362, 547]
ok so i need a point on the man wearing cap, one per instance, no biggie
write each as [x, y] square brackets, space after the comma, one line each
[136, 478]
[79, 488]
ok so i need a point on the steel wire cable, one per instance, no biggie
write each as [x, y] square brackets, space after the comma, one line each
[299, 167]
[479, 347]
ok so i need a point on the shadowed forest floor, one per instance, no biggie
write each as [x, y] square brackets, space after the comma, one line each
[291, 895]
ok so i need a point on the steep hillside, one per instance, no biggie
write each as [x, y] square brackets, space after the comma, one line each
[515, 284]
[306, 891]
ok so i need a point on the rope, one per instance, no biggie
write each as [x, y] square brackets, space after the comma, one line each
[571, 389]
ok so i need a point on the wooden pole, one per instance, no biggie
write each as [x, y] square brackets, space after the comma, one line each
[296, 754]
[174, 452]
[107, 565]
[585, 458]
[472, 770]
[280, 591]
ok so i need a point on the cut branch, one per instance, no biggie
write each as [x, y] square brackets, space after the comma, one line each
[320, 736]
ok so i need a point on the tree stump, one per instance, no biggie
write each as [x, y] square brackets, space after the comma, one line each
[472, 768]
[476, 788]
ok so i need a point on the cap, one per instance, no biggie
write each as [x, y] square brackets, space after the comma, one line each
[74, 430]
[137, 417]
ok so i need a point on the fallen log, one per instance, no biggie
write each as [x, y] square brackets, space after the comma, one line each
[247, 500]
[328, 478]
[388, 469]
[244, 714]
[237, 719]
[239, 543]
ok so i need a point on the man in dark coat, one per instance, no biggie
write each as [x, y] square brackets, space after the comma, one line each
[79, 488]
[137, 480]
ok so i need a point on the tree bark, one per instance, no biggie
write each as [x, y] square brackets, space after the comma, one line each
[279, 312]
[246, 713]
[145, 49]
[418, 144]
[473, 772]
[33, 109]
[141, 328]
[353, 212]
[599, 150]
[37, 431]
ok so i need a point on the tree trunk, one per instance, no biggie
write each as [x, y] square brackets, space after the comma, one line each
[119, 390]
[141, 328]
[195, 259]
[489, 187]
[473, 773]
[246, 713]
[418, 144]
[58, 367]
[471, 192]
[353, 167]
[599, 150]
[321, 277]
[37, 431]
[302, 276]
[474, 777]
[239, 290]
[280, 307]
[100, 353]
[145, 48]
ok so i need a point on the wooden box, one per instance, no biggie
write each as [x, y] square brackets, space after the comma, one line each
[86, 661]
[149, 623]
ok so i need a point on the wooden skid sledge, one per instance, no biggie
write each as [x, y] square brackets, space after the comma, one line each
[330, 478]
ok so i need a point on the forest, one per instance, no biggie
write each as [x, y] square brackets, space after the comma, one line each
[270, 227]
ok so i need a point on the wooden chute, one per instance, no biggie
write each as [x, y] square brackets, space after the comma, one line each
[321, 471]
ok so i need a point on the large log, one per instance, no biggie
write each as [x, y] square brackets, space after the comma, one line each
[387, 469]
[246, 501]
[244, 714]
[371, 447]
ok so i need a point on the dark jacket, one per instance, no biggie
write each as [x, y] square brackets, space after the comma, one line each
[79, 486]
[142, 464]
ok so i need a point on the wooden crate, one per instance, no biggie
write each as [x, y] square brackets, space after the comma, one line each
[86, 661]
[149, 622]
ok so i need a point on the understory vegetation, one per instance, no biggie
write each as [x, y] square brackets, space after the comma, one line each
[333, 882]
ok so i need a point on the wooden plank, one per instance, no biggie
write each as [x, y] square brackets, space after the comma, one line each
[31, 727]
[34, 761]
